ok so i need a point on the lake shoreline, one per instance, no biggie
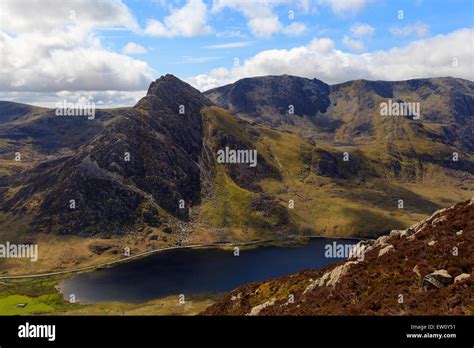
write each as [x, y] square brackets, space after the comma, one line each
[199, 269]
[279, 242]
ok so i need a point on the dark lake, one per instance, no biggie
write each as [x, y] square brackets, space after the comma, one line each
[192, 271]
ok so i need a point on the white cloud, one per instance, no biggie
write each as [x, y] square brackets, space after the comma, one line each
[189, 20]
[353, 44]
[261, 20]
[267, 26]
[344, 6]
[134, 48]
[294, 29]
[307, 6]
[45, 50]
[101, 99]
[362, 29]
[358, 32]
[264, 26]
[419, 29]
[156, 28]
[34, 62]
[320, 59]
[215, 78]
[230, 45]
[43, 16]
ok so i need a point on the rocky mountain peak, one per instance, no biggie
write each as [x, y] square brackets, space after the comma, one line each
[165, 82]
[170, 87]
[273, 95]
[171, 92]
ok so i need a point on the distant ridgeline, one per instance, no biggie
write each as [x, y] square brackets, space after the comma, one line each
[262, 157]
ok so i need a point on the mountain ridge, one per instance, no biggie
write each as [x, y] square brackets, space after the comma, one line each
[172, 181]
[117, 164]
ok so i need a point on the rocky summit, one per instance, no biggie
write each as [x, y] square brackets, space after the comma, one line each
[146, 161]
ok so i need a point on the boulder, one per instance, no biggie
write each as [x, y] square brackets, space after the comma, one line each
[238, 297]
[99, 247]
[381, 241]
[437, 280]
[438, 220]
[397, 233]
[461, 277]
[257, 309]
[331, 278]
[387, 249]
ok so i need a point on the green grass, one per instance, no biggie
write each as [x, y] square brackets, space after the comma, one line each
[41, 304]
[329, 206]
[40, 296]
[231, 206]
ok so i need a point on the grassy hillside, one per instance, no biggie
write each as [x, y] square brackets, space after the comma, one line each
[354, 198]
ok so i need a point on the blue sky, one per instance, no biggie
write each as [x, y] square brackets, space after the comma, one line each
[108, 51]
[169, 54]
[175, 54]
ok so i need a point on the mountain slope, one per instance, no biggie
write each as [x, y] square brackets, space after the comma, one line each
[423, 270]
[37, 134]
[444, 101]
[394, 147]
[275, 99]
[145, 161]
[152, 171]
[350, 112]
[150, 168]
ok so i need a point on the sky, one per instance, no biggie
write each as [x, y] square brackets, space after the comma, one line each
[107, 52]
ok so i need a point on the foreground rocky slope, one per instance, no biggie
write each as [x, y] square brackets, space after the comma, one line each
[423, 270]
